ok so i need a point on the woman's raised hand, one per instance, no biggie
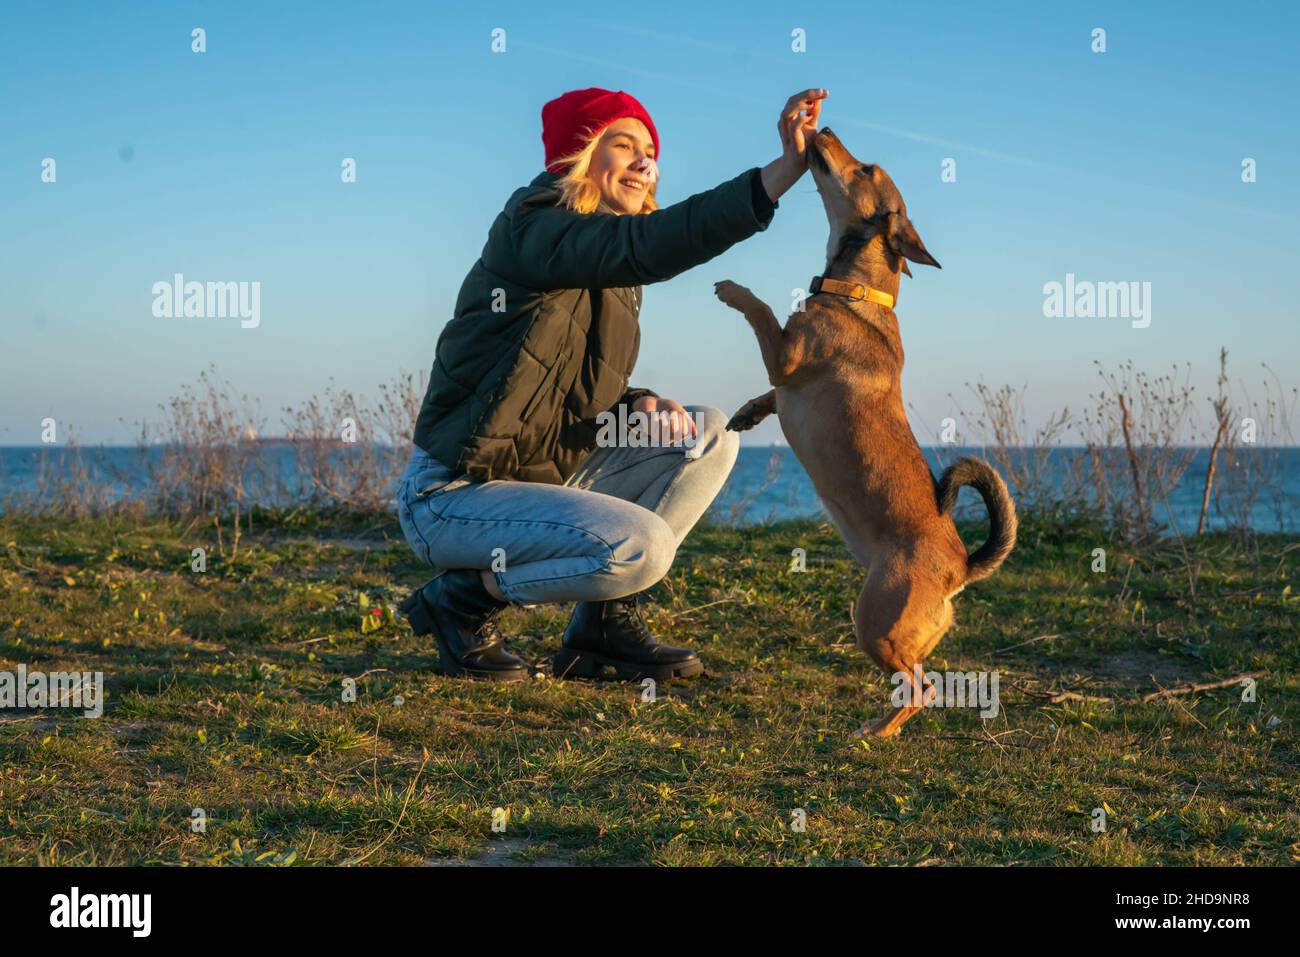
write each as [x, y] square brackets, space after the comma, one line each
[798, 124]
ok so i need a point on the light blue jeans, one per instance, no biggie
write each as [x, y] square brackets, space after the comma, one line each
[612, 530]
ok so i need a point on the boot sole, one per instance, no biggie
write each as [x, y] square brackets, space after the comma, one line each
[572, 663]
[451, 667]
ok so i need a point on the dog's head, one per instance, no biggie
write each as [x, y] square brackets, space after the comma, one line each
[862, 202]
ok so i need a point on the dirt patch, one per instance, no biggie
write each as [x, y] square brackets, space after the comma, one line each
[1139, 667]
[353, 543]
[500, 854]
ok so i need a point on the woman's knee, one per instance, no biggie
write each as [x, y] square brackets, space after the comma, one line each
[714, 442]
[639, 559]
[407, 523]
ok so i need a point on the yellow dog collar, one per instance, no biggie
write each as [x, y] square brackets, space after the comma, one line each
[853, 290]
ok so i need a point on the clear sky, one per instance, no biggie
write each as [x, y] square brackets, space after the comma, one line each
[1119, 166]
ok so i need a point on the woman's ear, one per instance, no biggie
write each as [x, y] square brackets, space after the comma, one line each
[905, 241]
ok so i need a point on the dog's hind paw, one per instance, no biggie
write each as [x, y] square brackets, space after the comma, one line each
[880, 728]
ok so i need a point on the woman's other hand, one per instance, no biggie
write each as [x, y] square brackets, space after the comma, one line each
[673, 421]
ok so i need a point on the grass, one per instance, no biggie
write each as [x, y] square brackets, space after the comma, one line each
[225, 693]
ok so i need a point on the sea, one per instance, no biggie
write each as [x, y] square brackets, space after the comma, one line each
[768, 484]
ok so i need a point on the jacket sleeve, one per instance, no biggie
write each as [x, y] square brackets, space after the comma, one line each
[632, 394]
[550, 247]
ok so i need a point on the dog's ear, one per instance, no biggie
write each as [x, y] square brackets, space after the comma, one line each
[905, 241]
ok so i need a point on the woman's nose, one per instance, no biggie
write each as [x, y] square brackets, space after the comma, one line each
[646, 164]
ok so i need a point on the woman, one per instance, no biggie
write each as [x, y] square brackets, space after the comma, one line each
[510, 486]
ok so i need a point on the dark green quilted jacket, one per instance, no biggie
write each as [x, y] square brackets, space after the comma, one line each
[545, 332]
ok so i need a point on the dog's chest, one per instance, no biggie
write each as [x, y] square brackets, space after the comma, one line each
[831, 339]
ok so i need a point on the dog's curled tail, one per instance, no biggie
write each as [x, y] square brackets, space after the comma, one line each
[980, 476]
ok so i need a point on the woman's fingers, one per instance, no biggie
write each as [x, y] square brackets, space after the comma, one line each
[677, 425]
[675, 422]
[808, 102]
[798, 119]
[804, 101]
[814, 114]
[667, 418]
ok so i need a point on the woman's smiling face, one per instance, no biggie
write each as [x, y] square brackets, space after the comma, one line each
[616, 165]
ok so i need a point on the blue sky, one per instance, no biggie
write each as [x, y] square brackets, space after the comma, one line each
[1122, 166]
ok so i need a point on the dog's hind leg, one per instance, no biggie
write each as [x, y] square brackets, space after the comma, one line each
[753, 412]
[894, 629]
[761, 318]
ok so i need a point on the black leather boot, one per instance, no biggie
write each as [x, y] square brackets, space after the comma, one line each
[609, 640]
[460, 613]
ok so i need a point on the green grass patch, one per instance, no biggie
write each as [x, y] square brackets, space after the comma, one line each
[225, 693]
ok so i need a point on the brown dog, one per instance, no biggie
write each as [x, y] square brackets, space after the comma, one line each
[836, 367]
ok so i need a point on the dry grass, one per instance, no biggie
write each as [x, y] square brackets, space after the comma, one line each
[1116, 463]
[1120, 459]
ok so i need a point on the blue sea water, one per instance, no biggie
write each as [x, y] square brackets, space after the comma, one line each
[769, 484]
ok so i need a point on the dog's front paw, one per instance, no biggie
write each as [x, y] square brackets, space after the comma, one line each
[748, 416]
[740, 423]
[743, 422]
[733, 294]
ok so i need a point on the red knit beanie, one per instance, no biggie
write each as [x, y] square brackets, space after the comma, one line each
[567, 118]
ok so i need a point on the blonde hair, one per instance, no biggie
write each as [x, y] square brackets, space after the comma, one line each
[577, 190]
